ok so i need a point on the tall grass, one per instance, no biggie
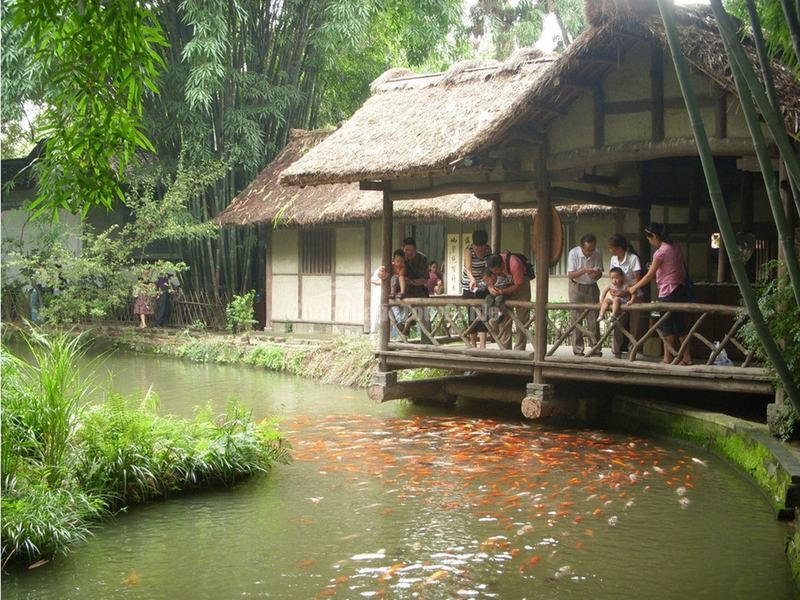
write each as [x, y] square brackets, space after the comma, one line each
[66, 463]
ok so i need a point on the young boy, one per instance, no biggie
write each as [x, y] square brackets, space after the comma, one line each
[397, 285]
[615, 295]
[499, 281]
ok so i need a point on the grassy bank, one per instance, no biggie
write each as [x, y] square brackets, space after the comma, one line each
[66, 464]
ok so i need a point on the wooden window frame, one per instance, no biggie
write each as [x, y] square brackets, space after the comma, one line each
[317, 252]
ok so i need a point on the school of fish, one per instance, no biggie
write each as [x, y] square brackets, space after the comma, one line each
[534, 493]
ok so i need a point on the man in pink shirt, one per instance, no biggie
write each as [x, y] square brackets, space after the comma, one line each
[506, 265]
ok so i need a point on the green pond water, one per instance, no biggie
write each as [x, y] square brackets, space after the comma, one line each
[401, 501]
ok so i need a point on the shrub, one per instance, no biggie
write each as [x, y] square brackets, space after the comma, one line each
[65, 463]
[782, 315]
[239, 313]
[41, 521]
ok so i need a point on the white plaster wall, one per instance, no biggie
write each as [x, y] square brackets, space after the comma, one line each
[19, 233]
[284, 298]
[576, 129]
[629, 127]
[511, 235]
[284, 251]
[316, 298]
[631, 80]
[349, 299]
[349, 250]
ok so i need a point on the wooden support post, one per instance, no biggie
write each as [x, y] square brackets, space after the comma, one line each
[539, 403]
[722, 263]
[544, 236]
[386, 256]
[268, 278]
[367, 275]
[497, 218]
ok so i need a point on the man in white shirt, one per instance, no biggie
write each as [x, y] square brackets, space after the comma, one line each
[584, 268]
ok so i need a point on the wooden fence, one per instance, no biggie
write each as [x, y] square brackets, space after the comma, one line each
[443, 321]
[186, 309]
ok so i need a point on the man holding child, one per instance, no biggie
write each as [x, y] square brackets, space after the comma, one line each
[584, 268]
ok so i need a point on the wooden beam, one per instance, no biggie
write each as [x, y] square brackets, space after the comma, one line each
[584, 197]
[657, 91]
[478, 187]
[592, 179]
[639, 151]
[386, 256]
[496, 228]
[373, 186]
[637, 106]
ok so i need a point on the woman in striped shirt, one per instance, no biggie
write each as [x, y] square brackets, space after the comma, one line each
[472, 283]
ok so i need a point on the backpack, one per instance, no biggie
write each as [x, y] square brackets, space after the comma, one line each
[529, 271]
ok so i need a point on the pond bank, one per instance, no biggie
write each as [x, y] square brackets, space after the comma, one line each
[344, 360]
[772, 465]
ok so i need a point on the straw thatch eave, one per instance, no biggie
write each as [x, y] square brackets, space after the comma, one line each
[416, 125]
[266, 202]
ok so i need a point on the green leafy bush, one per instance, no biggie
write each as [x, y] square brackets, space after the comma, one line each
[783, 319]
[66, 463]
[239, 313]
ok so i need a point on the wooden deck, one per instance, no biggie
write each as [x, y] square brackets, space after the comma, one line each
[447, 326]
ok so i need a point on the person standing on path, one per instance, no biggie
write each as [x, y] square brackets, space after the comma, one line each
[584, 268]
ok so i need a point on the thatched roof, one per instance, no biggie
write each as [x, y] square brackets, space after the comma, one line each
[265, 200]
[413, 125]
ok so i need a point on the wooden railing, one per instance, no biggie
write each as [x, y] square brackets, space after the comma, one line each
[186, 308]
[445, 320]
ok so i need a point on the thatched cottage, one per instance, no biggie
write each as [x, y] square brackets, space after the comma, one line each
[324, 242]
[602, 123]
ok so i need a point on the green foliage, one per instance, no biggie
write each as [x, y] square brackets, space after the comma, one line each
[783, 320]
[270, 357]
[66, 463]
[784, 423]
[239, 312]
[131, 455]
[775, 27]
[511, 25]
[42, 521]
[101, 279]
[99, 59]
[45, 400]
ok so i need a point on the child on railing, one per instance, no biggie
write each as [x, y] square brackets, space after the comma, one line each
[615, 295]
[397, 285]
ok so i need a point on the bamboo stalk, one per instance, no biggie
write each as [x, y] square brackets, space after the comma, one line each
[773, 119]
[765, 163]
[718, 202]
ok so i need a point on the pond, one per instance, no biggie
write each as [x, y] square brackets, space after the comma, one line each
[403, 501]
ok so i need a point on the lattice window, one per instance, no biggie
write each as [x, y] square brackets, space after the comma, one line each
[764, 252]
[316, 252]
